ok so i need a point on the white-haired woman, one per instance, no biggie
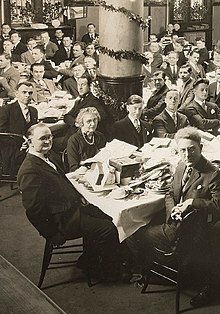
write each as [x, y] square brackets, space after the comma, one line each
[86, 142]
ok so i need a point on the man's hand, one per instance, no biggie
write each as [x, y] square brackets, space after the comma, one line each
[179, 209]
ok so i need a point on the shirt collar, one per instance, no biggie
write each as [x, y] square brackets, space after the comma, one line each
[23, 106]
[201, 103]
[132, 119]
[170, 113]
[37, 155]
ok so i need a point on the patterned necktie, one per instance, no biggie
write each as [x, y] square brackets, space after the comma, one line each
[27, 115]
[174, 118]
[137, 126]
[186, 176]
[68, 52]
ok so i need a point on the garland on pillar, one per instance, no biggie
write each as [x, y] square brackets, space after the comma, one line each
[123, 54]
[143, 23]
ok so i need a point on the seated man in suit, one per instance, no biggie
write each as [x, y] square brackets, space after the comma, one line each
[42, 87]
[195, 188]
[19, 47]
[132, 129]
[91, 36]
[203, 114]
[16, 118]
[155, 104]
[65, 51]
[5, 34]
[203, 51]
[179, 45]
[27, 57]
[158, 59]
[171, 70]
[91, 52]
[54, 207]
[197, 69]
[70, 84]
[214, 89]
[168, 122]
[58, 38]
[8, 49]
[39, 57]
[49, 47]
[171, 46]
[9, 77]
[186, 88]
[147, 69]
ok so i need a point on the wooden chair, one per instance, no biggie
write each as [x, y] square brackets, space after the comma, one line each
[173, 274]
[51, 250]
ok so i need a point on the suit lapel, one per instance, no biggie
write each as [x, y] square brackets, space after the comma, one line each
[178, 181]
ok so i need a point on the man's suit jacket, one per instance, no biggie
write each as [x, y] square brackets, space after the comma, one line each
[12, 77]
[61, 55]
[148, 74]
[164, 125]
[202, 119]
[87, 39]
[125, 131]
[158, 60]
[172, 77]
[168, 48]
[50, 85]
[155, 104]
[50, 50]
[200, 74]
[50, 200]
[19, 49]
[186, 95]
[12, 119]
[203, 187]
[70, 85]
[26, 57]
[58, 43]
[213, 97]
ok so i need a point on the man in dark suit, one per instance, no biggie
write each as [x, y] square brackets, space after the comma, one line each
[53, 205]
[16, 118]
[39, 57]
[186, 89]
[203, 51]
[58, 38]
[65, 52]
[27, 57]
[91, 36]
[147, 69]
[171, 46]
[214, 89]
[5, 34]
[49, 47]
[172, 69]
[195, 188]
[132, 129]
[19, 47]
[155, 104]
[203, 114]
[168, 122]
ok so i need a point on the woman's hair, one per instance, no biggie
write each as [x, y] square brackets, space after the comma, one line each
[83, 112]
[189, 133]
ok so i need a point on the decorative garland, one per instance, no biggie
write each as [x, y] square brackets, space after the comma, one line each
[123, 54]
[143, 23]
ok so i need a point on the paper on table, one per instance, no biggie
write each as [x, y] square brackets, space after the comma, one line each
[160, 142]
[114, 149]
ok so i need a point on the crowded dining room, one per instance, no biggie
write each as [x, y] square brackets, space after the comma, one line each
[110, 156]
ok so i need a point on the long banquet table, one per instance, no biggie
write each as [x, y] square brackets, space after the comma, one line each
[129, 214]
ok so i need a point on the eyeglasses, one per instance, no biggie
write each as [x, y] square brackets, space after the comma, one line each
[46, 138]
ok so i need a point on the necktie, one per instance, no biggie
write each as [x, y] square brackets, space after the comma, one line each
[174, 118]
[137, 126]
[68, 52]
[27, 115]
[186, 176]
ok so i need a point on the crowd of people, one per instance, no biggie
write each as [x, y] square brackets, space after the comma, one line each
[182, 101]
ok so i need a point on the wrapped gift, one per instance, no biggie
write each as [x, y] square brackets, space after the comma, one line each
[126, 166]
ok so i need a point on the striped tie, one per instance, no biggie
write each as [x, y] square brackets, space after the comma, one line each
[137, 126]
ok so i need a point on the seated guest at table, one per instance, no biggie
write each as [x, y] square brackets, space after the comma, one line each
[39, 57]
[70, 84]
[65, 52]
[49, 47]
[18, 46]
[86, 142]
[78, 57]
[215, 63]
[5, 34]
[152, 38]
[42, 87]
[171, 69]
[214, 89]
[91, 52]
[27, 57]
[203, 114]
[91, 36]
[155, 104]
[184, 196]
[8, 49]
[171, 45]
[58, 38]
[197, 69]
[203, 51]
[158, 59]
[186, 88]
[18, 116]
[54, 207]
[132, 129]
[148, 69]
[168, 122]
[90, 65]
[9, 77]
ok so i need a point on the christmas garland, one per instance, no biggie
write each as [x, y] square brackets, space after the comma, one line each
[143, 23]
[123, 54]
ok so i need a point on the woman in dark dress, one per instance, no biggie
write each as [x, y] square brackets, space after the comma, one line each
[86, 142]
